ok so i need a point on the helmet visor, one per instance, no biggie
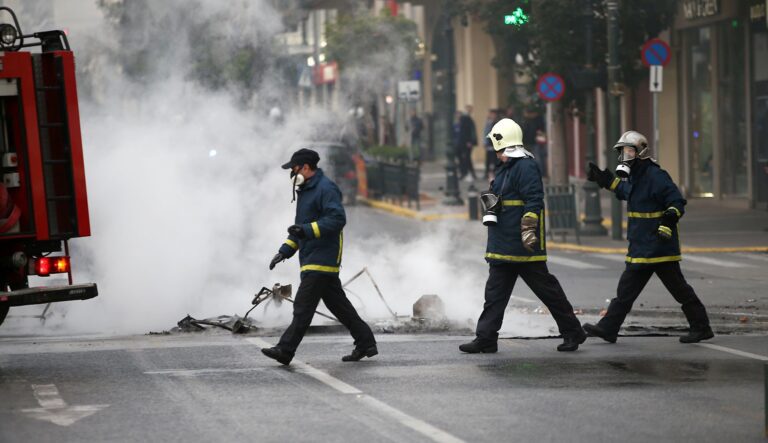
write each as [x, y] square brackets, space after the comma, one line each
[627, 153]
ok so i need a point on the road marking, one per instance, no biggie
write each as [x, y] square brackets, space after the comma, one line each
[715, 262]
[734, 351]
[195, 372]
[55, 410]
[527, 300]
[406, 420]
[751, 256]
[572, 263]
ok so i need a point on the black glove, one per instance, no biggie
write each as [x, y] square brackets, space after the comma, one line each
[275, 260]
[603, 178]
[668, 220]
[296, 231]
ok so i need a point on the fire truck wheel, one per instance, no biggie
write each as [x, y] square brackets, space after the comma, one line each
[3, 312]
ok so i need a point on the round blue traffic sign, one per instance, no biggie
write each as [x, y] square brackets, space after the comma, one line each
[550, 87]
[656, 52]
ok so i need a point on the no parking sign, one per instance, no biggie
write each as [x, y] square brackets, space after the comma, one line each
[550, 87]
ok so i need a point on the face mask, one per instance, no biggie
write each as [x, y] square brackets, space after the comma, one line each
[626, 159]
[297, 179]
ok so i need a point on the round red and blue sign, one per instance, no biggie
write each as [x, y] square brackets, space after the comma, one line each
[656, 52]
[550, 87]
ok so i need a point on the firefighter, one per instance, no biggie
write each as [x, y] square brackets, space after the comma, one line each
[654, 206]
[514, 214]
[317, 235]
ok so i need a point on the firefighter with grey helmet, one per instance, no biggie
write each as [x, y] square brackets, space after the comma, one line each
[654, 206]
[514, 215]
[317, 234]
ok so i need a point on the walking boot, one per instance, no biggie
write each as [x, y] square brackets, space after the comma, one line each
[277, 354]
[572, 342]
[597, 331]
[697, 335]
[476, 346]
[358, 354]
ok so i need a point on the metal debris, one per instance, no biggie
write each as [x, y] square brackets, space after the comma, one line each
[429, 307]
[378, 291]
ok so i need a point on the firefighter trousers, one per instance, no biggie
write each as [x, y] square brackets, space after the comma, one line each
[498, 289]
[633, 281]
[318, 286]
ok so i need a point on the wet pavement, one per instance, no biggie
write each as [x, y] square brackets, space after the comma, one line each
[218, 387]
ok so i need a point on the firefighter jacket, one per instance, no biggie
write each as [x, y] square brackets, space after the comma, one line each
[518, 183]
[320, 213]
[649, 191]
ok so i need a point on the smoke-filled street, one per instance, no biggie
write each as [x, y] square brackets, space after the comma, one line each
[383, 220]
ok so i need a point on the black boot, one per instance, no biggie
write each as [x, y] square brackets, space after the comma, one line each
[277, 354]
[476, 346]
[358, 354]
[572, 342]
[697, 335]
[597, 331]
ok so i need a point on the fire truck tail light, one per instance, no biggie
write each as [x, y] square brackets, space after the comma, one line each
[45, 266]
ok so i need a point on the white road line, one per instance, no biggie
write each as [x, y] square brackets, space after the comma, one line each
[55, 410]
[734, 351]
[562, 261]
[195, 372]
[752, 255]
[527, 300]
[48, 396]
[714, 261]
[411, 422]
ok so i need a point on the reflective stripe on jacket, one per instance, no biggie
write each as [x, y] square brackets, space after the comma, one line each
[321, 215]
[523, 193]
[649, 192]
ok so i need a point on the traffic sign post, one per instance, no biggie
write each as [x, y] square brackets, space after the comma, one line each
[656, 54]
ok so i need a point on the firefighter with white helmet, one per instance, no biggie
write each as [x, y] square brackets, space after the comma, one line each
[654, 206]
[514, 214]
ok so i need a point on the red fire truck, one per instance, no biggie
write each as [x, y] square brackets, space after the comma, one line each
[43, 200]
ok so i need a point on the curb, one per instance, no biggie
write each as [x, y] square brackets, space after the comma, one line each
[416, 215]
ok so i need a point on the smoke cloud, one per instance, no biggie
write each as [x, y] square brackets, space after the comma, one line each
[187, 200]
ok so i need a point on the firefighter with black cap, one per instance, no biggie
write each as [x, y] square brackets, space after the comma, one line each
[654, 206]
[514, 214]
[317, 235]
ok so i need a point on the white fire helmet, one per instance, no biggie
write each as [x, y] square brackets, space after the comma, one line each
[507, 135]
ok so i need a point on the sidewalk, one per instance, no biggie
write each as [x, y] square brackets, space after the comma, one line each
[708, 225]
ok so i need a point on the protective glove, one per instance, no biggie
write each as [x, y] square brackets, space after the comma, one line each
[529, 226]
[296, 231]
[603, 177]
[668, 219]
[275, 260]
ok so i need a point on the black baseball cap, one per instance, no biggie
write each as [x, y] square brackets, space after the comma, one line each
[303, 156]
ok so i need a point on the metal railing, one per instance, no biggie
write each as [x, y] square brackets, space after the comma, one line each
[393, 180]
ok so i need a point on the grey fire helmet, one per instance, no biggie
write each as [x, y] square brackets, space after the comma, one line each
[631, 146]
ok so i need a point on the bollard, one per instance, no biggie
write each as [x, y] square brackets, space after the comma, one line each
[472, 200]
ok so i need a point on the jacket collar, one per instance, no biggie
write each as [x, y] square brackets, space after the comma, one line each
[312, 182]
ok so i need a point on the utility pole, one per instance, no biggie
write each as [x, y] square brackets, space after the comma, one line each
[452, 193]
[614, 92]
[593, 220]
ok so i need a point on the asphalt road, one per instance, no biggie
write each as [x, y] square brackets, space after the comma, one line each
[218, 387]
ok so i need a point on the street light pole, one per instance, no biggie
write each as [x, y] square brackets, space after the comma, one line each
[614, 92]
[593, 219]
[452, 193]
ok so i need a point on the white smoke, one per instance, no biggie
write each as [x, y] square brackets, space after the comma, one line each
[178, 230]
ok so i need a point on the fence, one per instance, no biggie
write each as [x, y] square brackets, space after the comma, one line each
[397, 181]
[561, 211]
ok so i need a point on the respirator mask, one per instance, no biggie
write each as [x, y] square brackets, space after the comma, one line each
[627, 158]
[296, 180]
[491, 207]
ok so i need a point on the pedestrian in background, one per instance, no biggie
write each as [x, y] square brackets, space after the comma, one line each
[416, 126]
[654, 206]
[467, 141]
[516, 245]
[490, 153]
[533, 128]
[317, 235]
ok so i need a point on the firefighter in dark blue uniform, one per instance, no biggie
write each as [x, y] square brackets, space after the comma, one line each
[654, 206]
[318, 236]
[514, 214]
